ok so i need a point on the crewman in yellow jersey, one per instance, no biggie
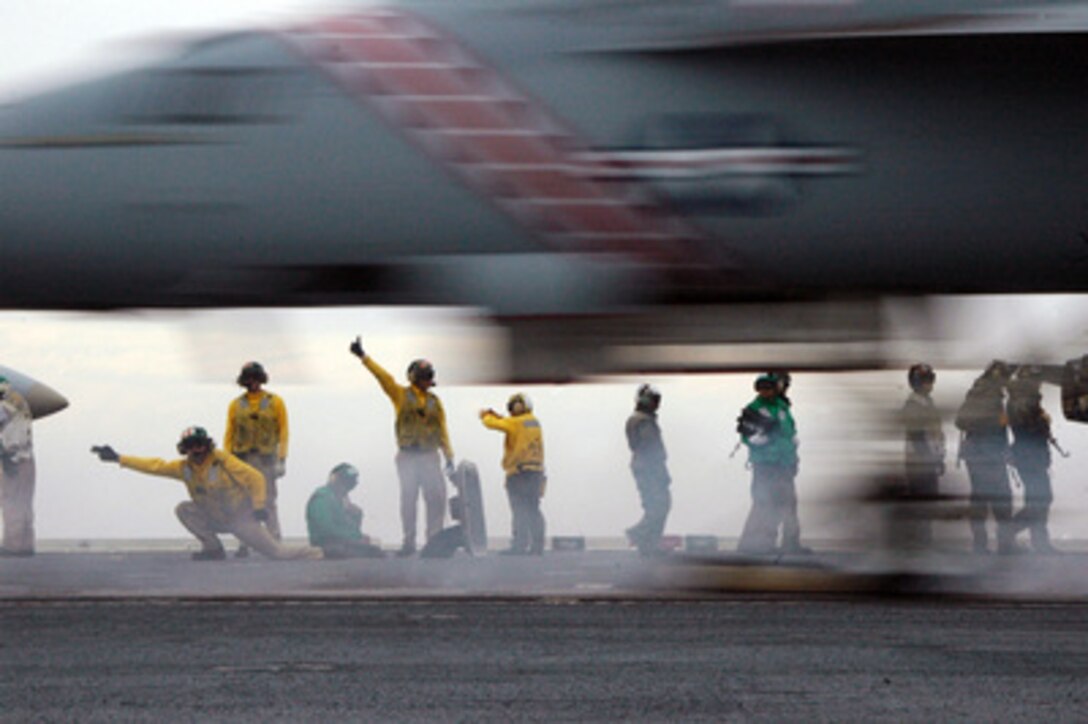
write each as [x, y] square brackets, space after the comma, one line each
[257, 435]
[227, 496]
[421, 432]
[523, 463]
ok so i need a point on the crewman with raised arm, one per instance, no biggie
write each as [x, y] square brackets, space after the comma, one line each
[420, 426]
[227, 496]
[523, 463]
[257, 435]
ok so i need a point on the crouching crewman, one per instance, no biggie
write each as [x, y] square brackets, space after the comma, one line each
[334, 523]
[228, 496]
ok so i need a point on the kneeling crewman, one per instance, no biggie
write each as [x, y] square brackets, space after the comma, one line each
[227, 495]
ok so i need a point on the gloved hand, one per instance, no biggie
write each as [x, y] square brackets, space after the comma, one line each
[449, 469]
[281, 468]
[106, 453]
[261, 515]
[356, 348]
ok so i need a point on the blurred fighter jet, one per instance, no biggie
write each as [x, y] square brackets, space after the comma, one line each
[584, 170]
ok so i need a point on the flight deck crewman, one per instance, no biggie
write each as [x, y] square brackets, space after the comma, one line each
[227, 496]
[334, 523]
[420, 428]
[523, 463]
[651, 475]
[1030, 425]
[924, 448]
[768, 430]
[985, 448]
[16, 472]
[257, 435]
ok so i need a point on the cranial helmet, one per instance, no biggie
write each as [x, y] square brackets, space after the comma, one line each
[346, 473]
[516, 398]
[999, 370]
[420, 370]
[920, 374]
[647, 397]
[769, 379]
[252, 371]
[194, 437]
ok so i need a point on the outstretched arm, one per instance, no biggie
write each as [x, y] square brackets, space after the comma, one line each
[153, 466]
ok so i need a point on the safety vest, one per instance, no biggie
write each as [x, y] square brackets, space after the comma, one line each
[418, 424]
[217, 492]
[525, 447]
[255, 430]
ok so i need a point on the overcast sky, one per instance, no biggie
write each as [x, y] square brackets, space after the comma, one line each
[45, 42]
[136, 380]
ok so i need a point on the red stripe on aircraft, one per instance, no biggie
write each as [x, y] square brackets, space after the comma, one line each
[470, 118]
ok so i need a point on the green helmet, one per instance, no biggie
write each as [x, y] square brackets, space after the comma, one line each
[345, 472]
[769, 379]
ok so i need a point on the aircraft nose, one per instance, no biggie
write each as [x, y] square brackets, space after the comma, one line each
[42, 398]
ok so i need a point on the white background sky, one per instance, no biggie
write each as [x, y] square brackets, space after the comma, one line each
[44, 42]
[136, 380]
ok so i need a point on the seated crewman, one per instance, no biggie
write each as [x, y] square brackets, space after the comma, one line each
[334, 522]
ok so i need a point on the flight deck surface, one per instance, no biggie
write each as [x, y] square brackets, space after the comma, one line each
[167, 571]
[598, 635]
